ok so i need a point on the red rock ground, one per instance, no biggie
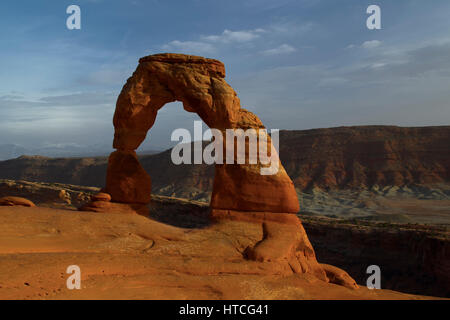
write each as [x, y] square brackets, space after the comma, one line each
[134, 257]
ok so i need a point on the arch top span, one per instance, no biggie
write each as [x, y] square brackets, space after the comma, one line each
[162, 78]
[206, 66]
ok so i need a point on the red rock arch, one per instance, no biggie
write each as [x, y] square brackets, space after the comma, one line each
[200, 85]
[240, 192]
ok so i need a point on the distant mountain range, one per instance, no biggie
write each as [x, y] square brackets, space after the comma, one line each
[334, 158]
[12, 151]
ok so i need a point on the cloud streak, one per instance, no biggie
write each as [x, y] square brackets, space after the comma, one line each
[193, 47]
[371, 44]
[238, 39]
[282, 49]
[404, 87]
[229, 36]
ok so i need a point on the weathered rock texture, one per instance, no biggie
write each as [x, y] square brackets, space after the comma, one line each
[126, 180]
[15, 201]
[284, 241]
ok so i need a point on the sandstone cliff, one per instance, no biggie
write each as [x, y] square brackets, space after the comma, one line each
[350, 157]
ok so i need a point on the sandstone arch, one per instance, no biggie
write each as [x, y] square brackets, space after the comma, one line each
[240, 192]
[200, 85]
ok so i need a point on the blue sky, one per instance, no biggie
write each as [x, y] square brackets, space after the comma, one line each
[296, 64]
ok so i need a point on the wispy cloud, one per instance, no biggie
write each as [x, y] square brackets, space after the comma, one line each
[282, 49]
[81, 99]
[194, 47]
[371, 44]
[105, 77]
[229, 36]
[413, 81]
[14, 104]
[254, 39]
[425, 60]
[209, 44]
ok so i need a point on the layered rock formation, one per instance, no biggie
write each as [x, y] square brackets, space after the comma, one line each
[366, 156]
[240, 191]
[53, 195]
[11, 201]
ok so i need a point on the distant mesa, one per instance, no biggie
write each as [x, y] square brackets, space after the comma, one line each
[32, 157]
[59, 150]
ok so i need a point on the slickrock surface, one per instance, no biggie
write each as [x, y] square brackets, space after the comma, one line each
[133, 257]
[413, 257]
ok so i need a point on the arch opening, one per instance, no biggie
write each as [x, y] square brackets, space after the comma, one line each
[173, 179]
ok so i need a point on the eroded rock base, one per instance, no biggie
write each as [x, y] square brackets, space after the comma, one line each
[285, 241]
[101, 202]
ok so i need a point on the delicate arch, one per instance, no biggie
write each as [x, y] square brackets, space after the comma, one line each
[200, 85]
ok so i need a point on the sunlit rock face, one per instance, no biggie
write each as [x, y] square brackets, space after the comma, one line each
[200, 85]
